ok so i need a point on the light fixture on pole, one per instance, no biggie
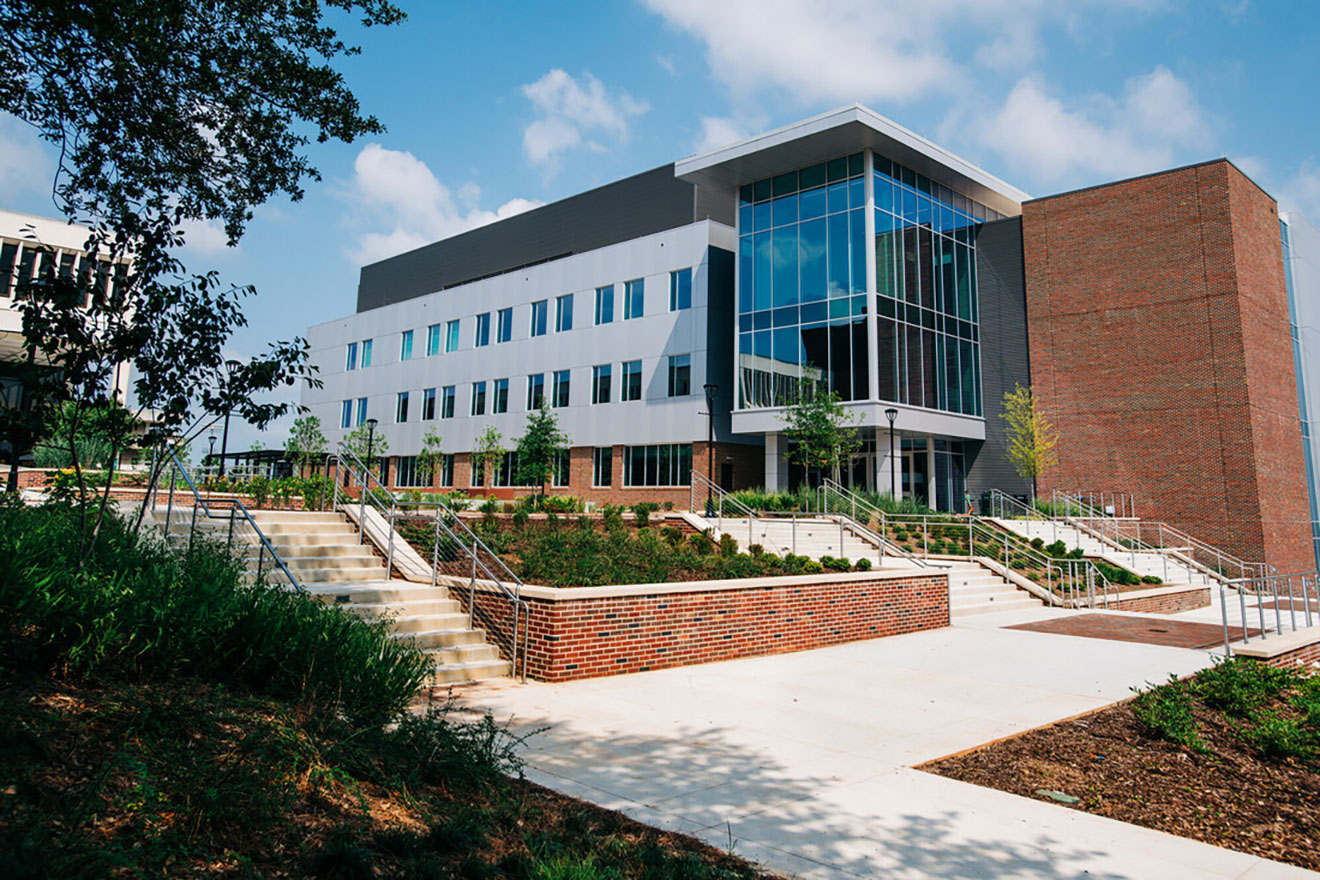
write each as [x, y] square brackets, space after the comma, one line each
[210, 459]
[371, 436]
[711, 391]
[892, 414]
[230, 367]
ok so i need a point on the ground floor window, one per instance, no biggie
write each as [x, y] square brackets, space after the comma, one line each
[506, 473]
[665, 464]
[447, 470]
[602, 466]
[407, 474]
[560, 468]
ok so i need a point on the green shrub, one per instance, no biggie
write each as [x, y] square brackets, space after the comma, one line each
[755, 550]
[673, 535]
[811, 566]
[1151, 579]
[259, 489]
[1239, 687]
[612, 516]
[1057, 550]
[642, 513]
[1279, 737]
[900, 535]
[728, 546]
[1038, 543]
[562, 504]
[863, 564]
[1077, 553]
[701, 544]
[1165, 711]
[137, 609]
[520, 518]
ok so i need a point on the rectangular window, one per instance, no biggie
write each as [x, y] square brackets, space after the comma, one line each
[504, 328]
[428, 404]
[680, 375]
[476, 471]
[405, 345]
[366, 353]
[501, 402]
[482, 337]
[451, 336]
[433, 340]
[600, 384]
[535, 391]
[478, 398]
[407, 474]
[506, 473]
[632, 380]
[666, 464]
[540, 309]
[362, 411]
[560, 397]
[564, 313]
[560, 469]
[605, 304]
[680, 290]
[346, 414]
[602, 465]
[351, 361]
[447, 470]
[401, 407]
[447, 395]
[634, 299]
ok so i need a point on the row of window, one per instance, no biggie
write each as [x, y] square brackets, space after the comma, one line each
[654, 465]
[21, 263]
[442, 402]
[444, 338]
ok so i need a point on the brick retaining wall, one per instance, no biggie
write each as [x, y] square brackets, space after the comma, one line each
[1172, 602]
[612, 630]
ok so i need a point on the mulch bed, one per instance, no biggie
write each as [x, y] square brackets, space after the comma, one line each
[1228, 797]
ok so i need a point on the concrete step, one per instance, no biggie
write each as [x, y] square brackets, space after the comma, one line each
[309, 576]
[991, 605]
[461, 655]
[323, 551]
[351, 593]
[406, 609]
[307, 528]
[465, 672]
[444, 638]
[264, 517]
[420, 623]
[359, 561]
[316, 539]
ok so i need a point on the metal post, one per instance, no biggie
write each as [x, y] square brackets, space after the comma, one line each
[261, 557]
[389, 559]
[1278, 612]
[472, 596]
[1260, 608]
[169, 506]
[1292, 607]
[1242, 607]
[795, 536]
[1306, 599]
[1223, 608]
[435, 550]
[229, 542]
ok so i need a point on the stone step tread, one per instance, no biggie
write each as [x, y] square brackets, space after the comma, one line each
[464, 672]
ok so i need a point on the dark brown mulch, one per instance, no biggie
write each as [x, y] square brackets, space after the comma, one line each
[1228, 797]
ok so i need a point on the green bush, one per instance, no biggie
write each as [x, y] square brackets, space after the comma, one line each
[673, 535]
[701, 544]
[863, 564]
[137, 609]
[811, 566]
[1239, 687]
[833, 564]
[1038, 543]
[900, 535]
[642, 513]
[1057, 550]
[1279, 737]
[1151, 579]
[1165, 711]
[259, 489]
[563, 504]
[728, 546]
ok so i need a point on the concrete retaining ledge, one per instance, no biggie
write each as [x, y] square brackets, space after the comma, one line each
[1170, 599]
[1300, 648]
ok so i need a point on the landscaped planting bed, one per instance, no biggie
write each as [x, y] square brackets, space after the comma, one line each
[1230, 757]
[584, 551]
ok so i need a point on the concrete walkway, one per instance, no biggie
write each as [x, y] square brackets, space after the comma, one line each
[802, 762]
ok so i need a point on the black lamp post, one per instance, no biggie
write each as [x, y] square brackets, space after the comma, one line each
[711, 391]
[371, 436]
[230, 366]
[892, 414]
[210, 459]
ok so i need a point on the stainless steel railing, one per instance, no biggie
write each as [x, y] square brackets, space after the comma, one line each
[848, 505]
[236, 516]
[1271, 605]
[450, 529]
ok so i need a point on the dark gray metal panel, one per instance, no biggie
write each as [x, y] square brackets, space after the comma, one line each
[1001, 289]
[719, 338]
[640, 205]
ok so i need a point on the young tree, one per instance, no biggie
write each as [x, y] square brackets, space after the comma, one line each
[165, 116]
[1032, 442]
[486, 454]
[537, 447]
[306, 443]
[824, 430]
[356, 441]
[428, 460]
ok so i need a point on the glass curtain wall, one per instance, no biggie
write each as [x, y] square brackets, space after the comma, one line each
[802, 284]
[927, 317]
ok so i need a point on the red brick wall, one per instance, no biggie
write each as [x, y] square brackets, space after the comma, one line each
[1303, 656]
[748, 471]
[1160, 350]
[592, 637]
[1168, 603]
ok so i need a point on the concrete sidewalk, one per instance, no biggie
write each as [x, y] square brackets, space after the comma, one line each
[802, 761]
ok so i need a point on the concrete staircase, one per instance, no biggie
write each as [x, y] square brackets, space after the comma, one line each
[325, 554]
[1165, 566]
[973, 589]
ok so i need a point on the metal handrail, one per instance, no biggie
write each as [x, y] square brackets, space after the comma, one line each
[235, 504]
[719, 496]
[853, 502]
[1271, 587]
[1124, 504]
[1004, 503]
[1123, 531]
[522, 609]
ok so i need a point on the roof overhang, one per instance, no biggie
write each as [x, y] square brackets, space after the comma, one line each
[837, 132]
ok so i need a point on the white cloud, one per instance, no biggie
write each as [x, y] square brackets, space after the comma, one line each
[719, 131]
[403, 206]
[1302, 192]
[25, 166]
[860, 50]
[1153, 123]
[571, 113]
[205, 237]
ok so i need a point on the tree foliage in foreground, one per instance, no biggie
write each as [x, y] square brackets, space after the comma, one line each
[166, 115]
[824, 432]
[537, 447]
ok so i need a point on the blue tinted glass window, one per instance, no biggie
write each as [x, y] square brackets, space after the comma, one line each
[680, 290]
[838, 197]
[351, 360]
[564, 313]
[857, 192]
[346, 414]
[762, 216]
[405, 345]
[483, 330]
[785, 210]
[816, 175]
[838, 254]
[884, 193]
[605, 304]
[451, 336]
[764, 267]
[745, 215]
[858, 220]
[813, 250]
[812, 203]
[366, 353]
[746, 273]
[540, 311]
[785, 285]
[504, 332]
[634, 299]
[362, 411]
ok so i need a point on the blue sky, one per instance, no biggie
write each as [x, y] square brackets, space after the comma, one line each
[494, 107]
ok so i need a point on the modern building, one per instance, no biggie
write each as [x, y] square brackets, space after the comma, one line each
[846, 252]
